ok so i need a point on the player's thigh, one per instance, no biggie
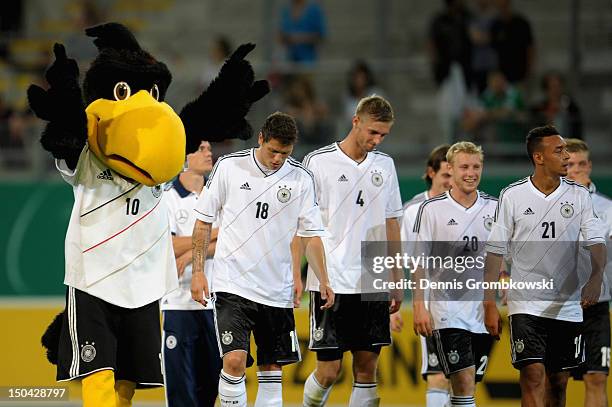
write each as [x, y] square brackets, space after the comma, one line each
[454, 349]
[481, 346]
[528, 339]
[234, 318]
[276, 337]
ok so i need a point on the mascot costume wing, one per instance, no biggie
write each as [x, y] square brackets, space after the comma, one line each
[115, 142]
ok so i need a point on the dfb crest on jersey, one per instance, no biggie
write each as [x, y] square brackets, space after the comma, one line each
[171, 342]
[227, 337]
[317, 335]
[432, 359]
[181, 216]
[567, 209]
[283, 194]
[453, 357]
[488, 222]
[519, 345]
[88, 352]
[377, 178]
[156, 191]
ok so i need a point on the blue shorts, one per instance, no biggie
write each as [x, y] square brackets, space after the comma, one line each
[192, 362]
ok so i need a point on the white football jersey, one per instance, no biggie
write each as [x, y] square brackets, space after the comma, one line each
[602, 205]
[465, 231]
[541, 233]
[260, 215]
[118, 245]
[410, 212]
[181, 216]
[356, 199]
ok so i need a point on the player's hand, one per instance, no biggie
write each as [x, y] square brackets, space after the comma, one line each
[199, 288]
[298, 289]
[183, 261]
[590, 292]
[396, 301]
[422, 321]
[327, 295]
[492, 319]
[396, 322]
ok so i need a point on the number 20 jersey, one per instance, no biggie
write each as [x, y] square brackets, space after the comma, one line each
[355, 199]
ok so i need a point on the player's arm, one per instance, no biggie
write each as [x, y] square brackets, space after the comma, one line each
[315, 254]
[202, 232]
[493, 265]
[422, 321]
[593, 231]
[183, 244]
[394, 247]
[297, 252]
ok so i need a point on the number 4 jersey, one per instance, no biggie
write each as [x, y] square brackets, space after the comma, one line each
[541, 233]
[356, 199]
[118, 245]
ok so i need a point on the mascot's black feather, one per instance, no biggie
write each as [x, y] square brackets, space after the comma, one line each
[217, 114]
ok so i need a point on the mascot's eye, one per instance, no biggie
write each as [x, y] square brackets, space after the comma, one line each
[122, 91]
[155, 92]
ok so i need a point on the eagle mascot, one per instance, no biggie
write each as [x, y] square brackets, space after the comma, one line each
[116, 141]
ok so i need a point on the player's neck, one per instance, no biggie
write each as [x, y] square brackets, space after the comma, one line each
[433, 192]
[545, 183]
[350, 147]
[192, 181]
[464, 199]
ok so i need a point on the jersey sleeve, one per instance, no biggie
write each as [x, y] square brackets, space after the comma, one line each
[408, 224]
[423, 231]
[502, 228]
[309, 220]
[168, 201]
[73, 176]
[394, 204]
[212, 197]
[592, 228]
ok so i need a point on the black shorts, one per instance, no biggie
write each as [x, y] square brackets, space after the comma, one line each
[430, 362]
[352, 324]
[459, 349]
[558, 344]
[596, 334]
[97, 335]
[273, 329]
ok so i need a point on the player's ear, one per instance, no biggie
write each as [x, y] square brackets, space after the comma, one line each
[356, 120]
[260, 139]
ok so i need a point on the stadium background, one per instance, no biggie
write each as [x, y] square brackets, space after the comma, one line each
[571, 36]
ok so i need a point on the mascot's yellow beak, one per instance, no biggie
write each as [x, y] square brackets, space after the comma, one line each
[139, 137]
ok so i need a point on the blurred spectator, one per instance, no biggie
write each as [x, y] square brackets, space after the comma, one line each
[450, 52]
[484, 58]
[361, 83]
[557, 108]
[10, 23]
[512, 39]
[12, 131]
[219, 50]
[502, 117]
[311, 115]
[84, 14]
[302, 28]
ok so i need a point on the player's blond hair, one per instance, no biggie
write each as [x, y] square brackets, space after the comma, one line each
[377, 107]
[575, 145]
[463, 147]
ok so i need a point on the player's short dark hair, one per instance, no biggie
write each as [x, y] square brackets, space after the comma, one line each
[436, 158]
[535, 136]
[281, 127]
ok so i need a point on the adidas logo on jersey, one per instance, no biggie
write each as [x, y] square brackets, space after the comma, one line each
[245, 186]
[342, 178]
[106, 174]
[452, 222]
[528, 211]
